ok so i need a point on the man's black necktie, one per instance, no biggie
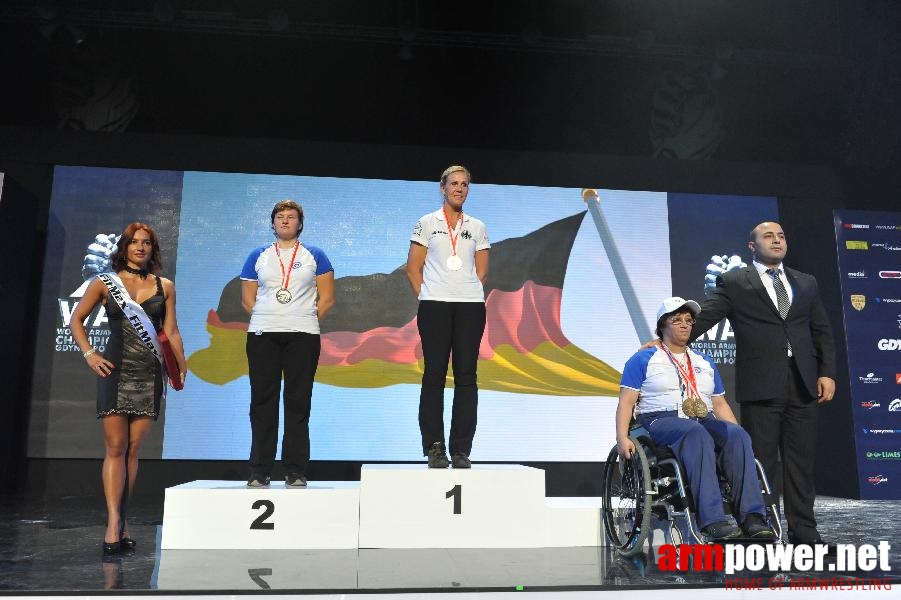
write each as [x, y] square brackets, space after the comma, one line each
[782, 302]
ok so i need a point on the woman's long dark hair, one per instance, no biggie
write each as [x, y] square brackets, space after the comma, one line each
[120, 256]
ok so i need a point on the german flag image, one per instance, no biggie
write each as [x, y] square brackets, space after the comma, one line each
[370, 339]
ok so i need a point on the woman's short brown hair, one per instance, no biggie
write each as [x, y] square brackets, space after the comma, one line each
[287, 205]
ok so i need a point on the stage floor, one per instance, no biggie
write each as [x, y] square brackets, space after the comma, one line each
[52, 546]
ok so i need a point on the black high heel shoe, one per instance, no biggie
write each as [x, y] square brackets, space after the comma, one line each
[111, 549]
[127, 544]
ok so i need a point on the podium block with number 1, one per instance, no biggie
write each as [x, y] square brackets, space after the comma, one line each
[488, 506]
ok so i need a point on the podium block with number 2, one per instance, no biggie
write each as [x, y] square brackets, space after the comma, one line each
[229, 515]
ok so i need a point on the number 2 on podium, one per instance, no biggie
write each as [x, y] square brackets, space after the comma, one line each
[268, 508]
[457, 493]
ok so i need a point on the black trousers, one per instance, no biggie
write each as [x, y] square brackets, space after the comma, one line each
[449, 329]
[788, 425]
[270, 356]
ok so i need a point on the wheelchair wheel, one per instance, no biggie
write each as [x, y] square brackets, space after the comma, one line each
[626, 502]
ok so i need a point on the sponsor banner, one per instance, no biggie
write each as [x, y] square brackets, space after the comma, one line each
[869, 257]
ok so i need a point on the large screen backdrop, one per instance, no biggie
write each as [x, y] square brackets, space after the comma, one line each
[576, 277]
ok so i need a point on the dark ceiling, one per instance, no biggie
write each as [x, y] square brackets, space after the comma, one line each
[814, 82]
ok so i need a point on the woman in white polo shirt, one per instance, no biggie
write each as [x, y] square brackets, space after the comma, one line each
[447, 264]
[286, 287]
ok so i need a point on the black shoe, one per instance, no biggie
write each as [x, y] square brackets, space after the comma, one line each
[721, 530]
[437, 456]
[461, 461]
[111, 549]
[126, 543]
[295, 480]
[755, 527]
[258, 480]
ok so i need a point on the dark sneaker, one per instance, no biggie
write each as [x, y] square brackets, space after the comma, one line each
[461, 461]
[437, 456]
[755, 527]
[722, 530]
[258, 481]
[295, 480]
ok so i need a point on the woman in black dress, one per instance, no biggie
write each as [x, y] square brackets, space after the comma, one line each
[132, 380]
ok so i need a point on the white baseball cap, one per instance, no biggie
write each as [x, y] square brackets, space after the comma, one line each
[671, 304]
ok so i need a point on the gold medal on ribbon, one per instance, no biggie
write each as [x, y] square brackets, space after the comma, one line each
[694, 407]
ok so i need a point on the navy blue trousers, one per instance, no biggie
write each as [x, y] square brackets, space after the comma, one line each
[701, 445]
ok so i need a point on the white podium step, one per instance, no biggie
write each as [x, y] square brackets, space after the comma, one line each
[229, 515]
[488, 506]
[573, 521]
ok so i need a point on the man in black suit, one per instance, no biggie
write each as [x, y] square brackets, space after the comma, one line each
[784, 367]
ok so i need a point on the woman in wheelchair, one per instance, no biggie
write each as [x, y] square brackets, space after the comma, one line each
[683, 406]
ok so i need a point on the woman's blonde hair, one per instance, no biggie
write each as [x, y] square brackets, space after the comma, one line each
[455, 169]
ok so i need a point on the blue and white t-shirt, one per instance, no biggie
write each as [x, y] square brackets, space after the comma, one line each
[300, 313]
[439, 282]
[651, 373]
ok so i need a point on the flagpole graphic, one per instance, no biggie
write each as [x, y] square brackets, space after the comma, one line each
[593, 200]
